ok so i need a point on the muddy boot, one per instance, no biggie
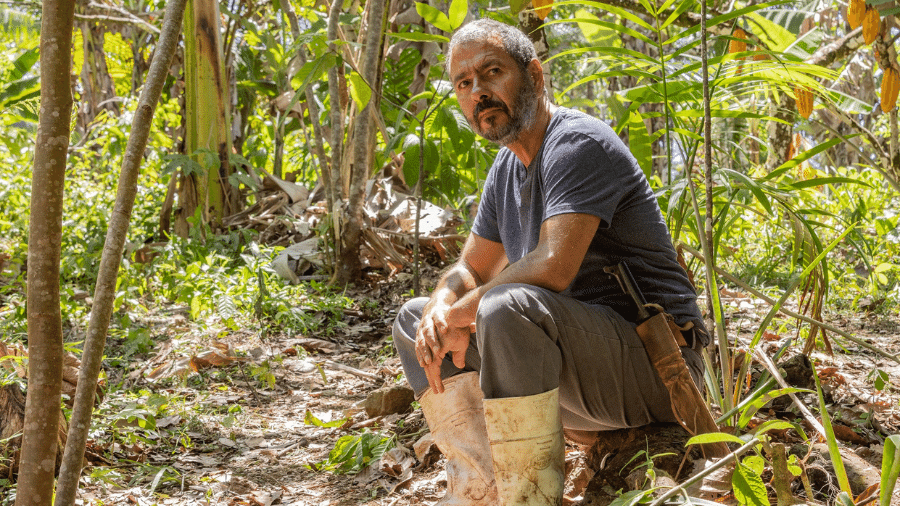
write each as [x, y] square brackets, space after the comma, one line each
[456, 420]
[527, 447]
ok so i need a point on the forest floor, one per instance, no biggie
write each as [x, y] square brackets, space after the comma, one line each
[235, 418]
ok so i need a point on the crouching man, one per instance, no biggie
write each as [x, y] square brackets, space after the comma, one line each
[526, 334]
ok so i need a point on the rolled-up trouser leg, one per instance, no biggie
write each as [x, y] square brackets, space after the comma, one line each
[404, 334]
[532, 340]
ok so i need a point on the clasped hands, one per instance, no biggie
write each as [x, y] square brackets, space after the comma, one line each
[441, 330]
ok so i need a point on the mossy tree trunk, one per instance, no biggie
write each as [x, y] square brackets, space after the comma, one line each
[39, 445]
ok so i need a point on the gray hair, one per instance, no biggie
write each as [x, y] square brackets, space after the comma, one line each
[515, 43]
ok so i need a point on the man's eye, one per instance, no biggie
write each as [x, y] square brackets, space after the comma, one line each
[494, 70]
[462, 84]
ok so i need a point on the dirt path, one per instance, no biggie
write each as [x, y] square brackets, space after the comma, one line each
[239, 432]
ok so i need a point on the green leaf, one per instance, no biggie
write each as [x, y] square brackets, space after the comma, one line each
[640, 143]
[833, 449]
[516, 6]
[714, 437]
[755, 462]
[434, 16]
[632, 498]
[749, 488]
[764, 399]
[890, 468]
[24, 63]
[311, 419]
[418, 37]
[774, 425]
[457, 12]
[359, 90]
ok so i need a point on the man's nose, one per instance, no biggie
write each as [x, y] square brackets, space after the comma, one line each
[479, 91]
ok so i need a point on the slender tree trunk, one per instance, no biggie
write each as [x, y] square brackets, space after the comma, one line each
[207, 120]
[105, 291]
[39, 445]
[336, 84]
[349, 267]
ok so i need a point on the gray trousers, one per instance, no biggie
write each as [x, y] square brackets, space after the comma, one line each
[530, 340]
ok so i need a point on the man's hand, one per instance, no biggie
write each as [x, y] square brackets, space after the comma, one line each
[434, 339]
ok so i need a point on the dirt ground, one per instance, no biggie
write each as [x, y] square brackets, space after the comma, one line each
[267, 452]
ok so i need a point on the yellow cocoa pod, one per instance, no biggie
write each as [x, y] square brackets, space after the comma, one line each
[871, 25]
[855, 12]
[890, 84]
[804, 101]
[739, 43]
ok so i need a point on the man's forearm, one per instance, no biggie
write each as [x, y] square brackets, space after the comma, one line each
[454, 284]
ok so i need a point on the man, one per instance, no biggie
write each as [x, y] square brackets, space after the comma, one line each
[526, 334]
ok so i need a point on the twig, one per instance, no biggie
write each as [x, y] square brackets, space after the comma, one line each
[704, 473]
[352, 370]
[807, 319]
[773, 370]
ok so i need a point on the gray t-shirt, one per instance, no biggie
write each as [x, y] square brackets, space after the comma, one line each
[583, 167]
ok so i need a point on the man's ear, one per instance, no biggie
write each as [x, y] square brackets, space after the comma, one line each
[536, 73]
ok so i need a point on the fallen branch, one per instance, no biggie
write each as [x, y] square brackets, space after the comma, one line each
[734, 279]
[352, 370]
[773, 370]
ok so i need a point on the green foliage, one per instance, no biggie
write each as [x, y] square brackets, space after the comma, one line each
[890, 468]
[749, 488]
[352, 453]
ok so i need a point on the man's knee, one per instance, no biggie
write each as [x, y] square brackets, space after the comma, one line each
[406, 324]
[504, 301]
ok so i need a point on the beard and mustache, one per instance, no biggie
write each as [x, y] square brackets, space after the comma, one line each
[521, 114]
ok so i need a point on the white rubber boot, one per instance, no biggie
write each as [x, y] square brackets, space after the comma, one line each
[527, 447]
[456, 420]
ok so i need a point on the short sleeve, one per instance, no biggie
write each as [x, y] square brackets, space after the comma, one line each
[485, 224]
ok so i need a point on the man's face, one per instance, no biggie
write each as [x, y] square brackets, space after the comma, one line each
[497, 98]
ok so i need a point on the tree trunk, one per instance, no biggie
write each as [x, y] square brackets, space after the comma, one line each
[105, 291]
[207, 121]
[349, 266]
[533, 26]
[98, 90]
[39, 445]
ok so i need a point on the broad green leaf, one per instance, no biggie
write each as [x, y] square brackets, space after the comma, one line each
[359, 90]
[890, 468]
[23, 64]
[516, 6]
[418, 37]
[714, 437]
[774, 425]
[749, 488]
[755, 463]
[631, 498]
[457, 12]
[313, 71]
[844, 499]
[773, 36]
[434, 16]
[640, 143]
